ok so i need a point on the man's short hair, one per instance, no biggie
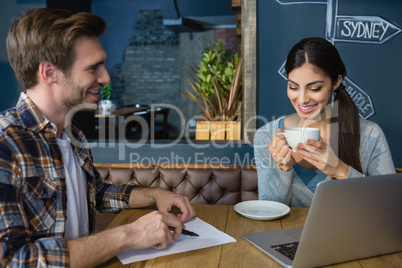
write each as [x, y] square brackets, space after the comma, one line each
[47, 34]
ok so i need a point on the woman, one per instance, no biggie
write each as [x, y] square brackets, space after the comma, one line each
[348, 147]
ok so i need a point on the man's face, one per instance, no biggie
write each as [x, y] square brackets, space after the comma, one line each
[87, 75]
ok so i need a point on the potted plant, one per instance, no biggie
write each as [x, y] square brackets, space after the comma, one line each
[106, 104]
[217, 89]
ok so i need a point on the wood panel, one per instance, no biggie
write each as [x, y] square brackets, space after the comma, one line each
[236, 4]
[249, 37]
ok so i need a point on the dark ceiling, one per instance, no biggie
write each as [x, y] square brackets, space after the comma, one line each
[181, 15]
[190, 15]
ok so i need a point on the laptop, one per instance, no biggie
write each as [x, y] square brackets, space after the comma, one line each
[348, 220]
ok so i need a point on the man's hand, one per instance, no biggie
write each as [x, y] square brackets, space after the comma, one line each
[152, 230]
[164, 200]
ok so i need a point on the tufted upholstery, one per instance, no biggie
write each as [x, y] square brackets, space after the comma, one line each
[226, 186]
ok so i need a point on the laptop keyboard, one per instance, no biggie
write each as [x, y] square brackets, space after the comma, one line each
[287, 249]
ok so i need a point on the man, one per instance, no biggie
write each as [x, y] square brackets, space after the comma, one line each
[49, 187]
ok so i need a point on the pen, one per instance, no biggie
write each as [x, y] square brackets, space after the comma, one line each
[184, 231]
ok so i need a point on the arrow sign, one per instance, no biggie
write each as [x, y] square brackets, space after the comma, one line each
[360, 98]
[364, 29]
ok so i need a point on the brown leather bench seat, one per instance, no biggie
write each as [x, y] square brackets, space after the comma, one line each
[223, 186]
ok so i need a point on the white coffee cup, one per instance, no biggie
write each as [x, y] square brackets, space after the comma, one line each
[298, 135]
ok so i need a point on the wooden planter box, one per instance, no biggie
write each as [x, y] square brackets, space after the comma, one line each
[218, 130]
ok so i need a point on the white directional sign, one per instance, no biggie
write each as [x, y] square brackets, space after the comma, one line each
[360, 98]
[364, 29]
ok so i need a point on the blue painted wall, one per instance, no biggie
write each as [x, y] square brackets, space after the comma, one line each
[10, 87]
[375, 68]
[119, 16]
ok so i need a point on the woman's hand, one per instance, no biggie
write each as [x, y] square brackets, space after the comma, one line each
[321, 155]
[281, 152]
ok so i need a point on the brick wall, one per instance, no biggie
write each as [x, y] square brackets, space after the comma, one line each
[150, 60]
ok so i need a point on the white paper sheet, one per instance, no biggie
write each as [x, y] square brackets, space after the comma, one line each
[208, 236]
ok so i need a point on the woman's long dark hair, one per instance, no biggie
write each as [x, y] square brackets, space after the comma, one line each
[322, 54]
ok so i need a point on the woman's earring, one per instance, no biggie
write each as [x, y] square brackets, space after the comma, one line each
[333, 99]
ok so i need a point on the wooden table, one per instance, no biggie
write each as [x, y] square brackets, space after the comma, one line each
[241, 253]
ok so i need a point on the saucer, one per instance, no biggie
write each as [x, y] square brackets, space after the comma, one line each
[261, 209]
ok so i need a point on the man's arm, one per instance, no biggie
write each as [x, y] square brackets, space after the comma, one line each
[18, 245]
[150, 230]
[117, 197]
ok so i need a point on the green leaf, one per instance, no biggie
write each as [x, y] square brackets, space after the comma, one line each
[217, 83]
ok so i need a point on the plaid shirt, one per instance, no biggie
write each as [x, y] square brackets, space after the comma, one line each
[33, 200]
